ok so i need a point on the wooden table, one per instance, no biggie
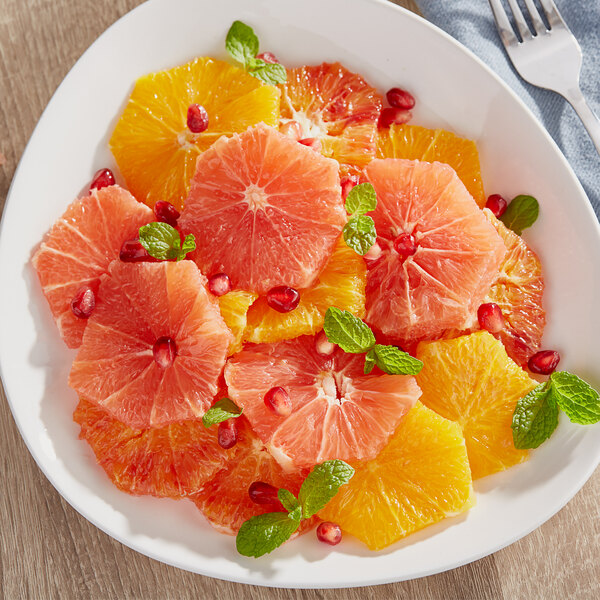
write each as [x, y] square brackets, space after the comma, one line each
[48, 550]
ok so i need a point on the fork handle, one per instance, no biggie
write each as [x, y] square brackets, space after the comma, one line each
[588, 118]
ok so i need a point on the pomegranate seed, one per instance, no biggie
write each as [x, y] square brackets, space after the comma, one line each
[373, 253]
[348, 182]
[283, 299]
[219, 284]
[268, 57]
[278, 400]
[227, 434]
[399, 98]
[490, 317]
[292, 129]
[133, 251]
[166, 212]
[102, 178]
[323, 346]
[405, 245]
[314, 143]
[197, 118]
[83, 302]
[330, 533]
[544, 362]
[263, 493]
[394, 116]
[497, 204]
[164, 351]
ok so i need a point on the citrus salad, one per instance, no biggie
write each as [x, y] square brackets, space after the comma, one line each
[300, 310]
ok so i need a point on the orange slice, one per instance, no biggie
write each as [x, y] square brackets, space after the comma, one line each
[234, 310]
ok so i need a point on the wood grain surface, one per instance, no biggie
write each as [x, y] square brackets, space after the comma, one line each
[47, 550]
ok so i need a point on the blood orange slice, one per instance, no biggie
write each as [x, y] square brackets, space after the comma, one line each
[458, 252]
[172, 461]
[337, 107]
[265, 210]
[337, 410]
[79, 248]
[139, 304]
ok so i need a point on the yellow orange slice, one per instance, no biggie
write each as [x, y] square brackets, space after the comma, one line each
[234, 309]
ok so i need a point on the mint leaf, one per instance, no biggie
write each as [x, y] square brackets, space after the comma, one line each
[359, 234]
[241, 42]
[535, 417]
[221, 411]
[262, 534]
[290, 503]
[361, 199]
[162, 241]
[521, 213]
[268, 73]
[579, 401]
[322, 484]
[392, 360]
[347, 331]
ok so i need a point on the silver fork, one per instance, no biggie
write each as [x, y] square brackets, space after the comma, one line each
[546, 57]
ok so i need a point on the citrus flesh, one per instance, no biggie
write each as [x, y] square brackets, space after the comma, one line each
[471, 380]
[336, 106]
[337, 410]
[431, 145]
[421, 477]
[79, 248]
[234, 309]
[155, 150]
[139, 304]
[265, 210]
[173, 461]
[458, 251]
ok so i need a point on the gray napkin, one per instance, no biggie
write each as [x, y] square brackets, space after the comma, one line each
[471, 22]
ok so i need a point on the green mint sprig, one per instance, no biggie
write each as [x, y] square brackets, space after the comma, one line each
[242, 44]
[359, 232]
[536, 415]
[261, 534]
[162, 241]
[521, 213]
[354, 336]
[220, 411]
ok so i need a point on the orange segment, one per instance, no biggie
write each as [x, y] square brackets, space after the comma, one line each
[234, 310]
[341, 284]
[421, 477]
[418, 143]
[471, 380]
[155, 150]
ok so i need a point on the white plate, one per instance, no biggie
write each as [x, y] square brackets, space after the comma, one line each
[455, 90]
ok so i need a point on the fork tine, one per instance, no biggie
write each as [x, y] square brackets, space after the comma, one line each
[552, 13]
[538, 24]
[507, 35]
[520, 20]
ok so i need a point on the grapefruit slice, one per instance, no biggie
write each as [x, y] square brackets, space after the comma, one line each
[337, 107]
[418, 143]
[421, 477]
[79, 248]
[139, 304]
[265, 210]
[337, 410]
[458, 251]
[173, 461]
[155, 150]
[471, 380]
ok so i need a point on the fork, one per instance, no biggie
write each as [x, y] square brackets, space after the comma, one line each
[548, 57]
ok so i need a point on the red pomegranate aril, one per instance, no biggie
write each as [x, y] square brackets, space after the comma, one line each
[544, 362]
[323, 346]
[292, 129]
[497, 204]
[348, 182]
[394, 116]
[399, 98]
[166, 213]
[133, 251]
[330, 533]
[373, 253]
[197, 118]
[219, 284]
[83, 302]
[311, 142]
[405, 245]
[102, 178]
[227, 434]
[268, 57]
[283, 298]
[164, 351]
[278, 400]
[490, 317]
[263, 493]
